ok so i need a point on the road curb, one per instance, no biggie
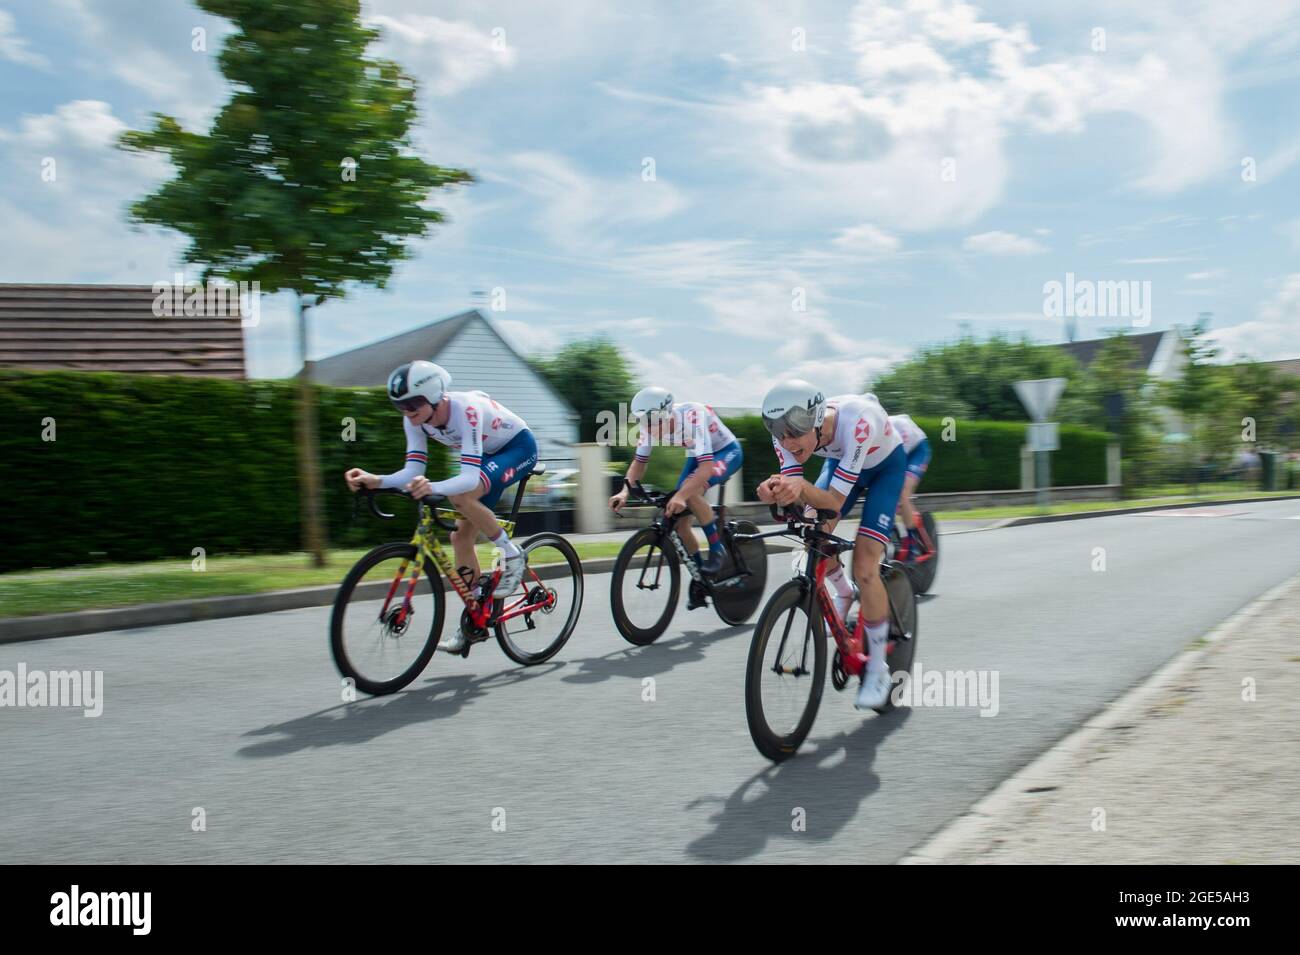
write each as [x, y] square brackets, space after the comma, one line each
[1111, 512]
[1014, 795]
[80, 622]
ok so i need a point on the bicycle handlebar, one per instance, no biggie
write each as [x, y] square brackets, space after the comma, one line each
[371, 493]
[638, 494]
[795, 514]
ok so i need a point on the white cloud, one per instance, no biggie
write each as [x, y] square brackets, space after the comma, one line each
[447, 55]
[73, 225]
[1002, 243]
[83, 123]
[582, 213]
[1275, 332]
[936, 79]
[13, 47]
[148, 46]
[866, 239]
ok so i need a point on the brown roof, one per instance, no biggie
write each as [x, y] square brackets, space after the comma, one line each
[113, 328]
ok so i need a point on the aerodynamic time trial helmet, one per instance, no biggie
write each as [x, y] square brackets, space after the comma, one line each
[793, 408]
[416, 383]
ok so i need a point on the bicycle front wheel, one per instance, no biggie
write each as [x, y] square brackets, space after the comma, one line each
[540, 615]
[786, 672]
[644, 587]
[378, 633]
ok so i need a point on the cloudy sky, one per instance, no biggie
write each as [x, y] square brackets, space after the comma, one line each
[833, 184]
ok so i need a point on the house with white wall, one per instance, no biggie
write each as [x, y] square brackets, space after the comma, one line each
[480, 359]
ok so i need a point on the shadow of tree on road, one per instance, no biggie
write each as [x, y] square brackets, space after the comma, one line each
[639, 662]
[829, 783]
[371, 717]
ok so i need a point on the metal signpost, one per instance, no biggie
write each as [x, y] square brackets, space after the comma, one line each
[1039, 396]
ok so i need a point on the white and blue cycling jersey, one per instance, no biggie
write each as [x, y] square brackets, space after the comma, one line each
[697, 428]
[864, 459]
[478, 428]
[908, 431]
[863, 438]
[915, 443]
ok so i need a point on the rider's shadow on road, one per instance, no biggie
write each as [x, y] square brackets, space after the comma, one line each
[828, 784]
[640, 662]
[370, 717]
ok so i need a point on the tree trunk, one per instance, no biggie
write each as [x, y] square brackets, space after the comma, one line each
[308, 441]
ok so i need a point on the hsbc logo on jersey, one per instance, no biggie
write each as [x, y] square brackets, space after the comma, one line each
[719, 468]
[508, 476]
[496, 424]
[471, 415]
[862, 430]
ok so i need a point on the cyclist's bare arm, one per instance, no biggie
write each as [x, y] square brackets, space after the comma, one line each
[635, 472]
[824, 500]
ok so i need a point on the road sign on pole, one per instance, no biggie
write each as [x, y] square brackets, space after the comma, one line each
[1044, 436]
[1039, 395]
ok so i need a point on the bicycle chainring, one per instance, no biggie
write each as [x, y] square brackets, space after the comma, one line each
[472, 633]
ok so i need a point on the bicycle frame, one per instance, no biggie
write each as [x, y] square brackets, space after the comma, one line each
[667, 527]
[428, 547]
[850, 645]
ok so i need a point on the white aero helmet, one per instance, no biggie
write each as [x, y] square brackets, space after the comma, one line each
[793, 408]
[412, 385]
[650, 401]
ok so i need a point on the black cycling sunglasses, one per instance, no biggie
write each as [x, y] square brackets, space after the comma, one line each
[410, 404]
[780, 429]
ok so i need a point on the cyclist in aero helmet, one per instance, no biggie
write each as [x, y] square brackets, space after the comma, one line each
[712, 456]
[496, 450]
[864, 458]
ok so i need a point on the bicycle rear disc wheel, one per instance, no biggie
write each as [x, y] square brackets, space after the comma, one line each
[786, 673]
[644, 587]
[903, 625]
[552, 584]
[380, 642]
[736, 604]
[923, 572]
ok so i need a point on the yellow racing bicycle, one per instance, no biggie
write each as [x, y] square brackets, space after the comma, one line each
[389, 612]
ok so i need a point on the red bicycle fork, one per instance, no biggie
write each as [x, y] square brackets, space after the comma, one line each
[851, 646]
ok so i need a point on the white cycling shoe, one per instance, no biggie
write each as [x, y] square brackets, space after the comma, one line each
[874, 692]
[454, 643]
[512, 572]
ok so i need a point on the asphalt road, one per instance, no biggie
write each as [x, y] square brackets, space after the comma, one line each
[242, 717]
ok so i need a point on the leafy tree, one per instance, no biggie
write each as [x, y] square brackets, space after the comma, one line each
[593, 375]
[968, 378]
[1259, 393]
[306, 181]
[1204, 388]
[1115, 381]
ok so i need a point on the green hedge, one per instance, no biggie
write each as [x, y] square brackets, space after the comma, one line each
[147, 467]
[984, 455]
